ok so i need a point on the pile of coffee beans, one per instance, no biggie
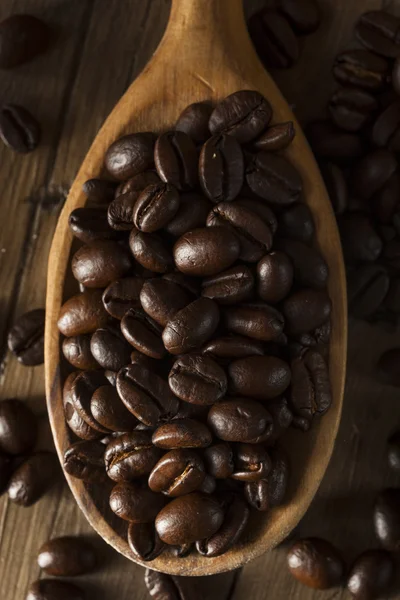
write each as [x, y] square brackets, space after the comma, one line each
[201, 331]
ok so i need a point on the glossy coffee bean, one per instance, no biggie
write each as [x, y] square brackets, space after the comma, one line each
[100, 190]
[130, 456]
[110, 349]
[367, 288]
[151, 251]
[310, 390]
[256, 494]
[26, 338]
[378, 31]
[371, 575]
[388, 367]
[336, 185]
[89, 224]
[387, 519]
[297, 223]
[22, 38]
[108, 410]
[144, 541]
[260, 377]
[360, 240]
[275, 137]
[274, 277]
[155, 207]
[278, 478]
[310, 268]
[18, 427]
[33, 478]
[236, 515]
[121, 295]
[134, 503]
[193, 121]
[83, 313]
[66, 557]
[85, 460]
[97, 265]
[316, 563]
[77, 351]
[137, 183]
[252, 462]
[75, 422]
[177, 473]
[274, 39]
[121, 210]
[191, 327]
[82, 389]
[206, 251]
[386, 129]
[218, 460]
[243, 115]
[281, 414]
[146, 395]
[260, 208]
[221, 168]
[19, 130]
[192, 214]
[240, 420]
[162, 299]
[197, 379]
[254, 320]
[362, 69]
[351, 108]
[165, 587]
[372, 172]
[175, 157]
[333, 144]
[130, 155]
[182, 433]
[51, 589]
[189, 518]
[306, 310]
[394, 452]
[143, 333]
[224, 349]
[302, 14]
[274, 178]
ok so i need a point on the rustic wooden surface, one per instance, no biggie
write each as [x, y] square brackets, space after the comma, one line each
[101, 46]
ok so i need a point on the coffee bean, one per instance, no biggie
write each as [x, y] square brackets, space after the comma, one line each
[351, 109]
[108, 410]
[121, 295]
[306, 310]
[388, 367]
[83, 313]
[22, 38]
[100, 263]
[90, 224]
[150, 251]
[134, 503]
[137, 183]
[19, 130]
[67, 556]
[33, 478]
[243, 115]
[218, 460]
[82, 389]
[51, 589]
[85, 460]
[77, 352]
[175, 156]
[221, 168]
[278, 478]
[274, 39]
[256, 494]
[162, 299]
[303, 14]
[260, 377]
[224, 349]
[197, 379]
[130, 154]
[165, 587]
[74, 420]
[333, 144]
[143, 333]
[144, 541]
[281, 414]
[310, 268]
[371, 575]
[206, 251]
[177, 473]
[276, 137]
[387, 519]
[394, 452]
[274, 276]
[359, 239]
[155, 207]
[193, 121]
[146, 395]
[310, 389]
[18, 427]
[367, 288]
[192, 214]
[189, 518]
[316, 563]
[386, 129]
[26, 337]
[252, 462]
[231, 286]
[361, 69]
[100, 190]
[274, 178]
[182, 433]
[297, 223]
[254, 320]
[336, 185]
[260, 208]
[372, 172]
[130, 456]
[191, 327]
[240, 420]
[378, 31]
[110, 349]
[121, 210]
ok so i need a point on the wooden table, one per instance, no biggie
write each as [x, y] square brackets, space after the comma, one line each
[101, 46]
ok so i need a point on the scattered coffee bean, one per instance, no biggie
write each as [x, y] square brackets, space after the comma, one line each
[165, 587]
[378, 31]
[19, 130]
[274, 39]
[51, 589]
[18, 427]
[66, 557]
[316, 563]
[371, 575]
[387, 519]
[33, 478]
[362, 69]
[22, 38]
[26, 338]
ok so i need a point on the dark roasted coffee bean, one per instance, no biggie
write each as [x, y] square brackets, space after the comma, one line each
[182, 433]
[134, 503]
[151, 251]
[218, 460]
[224, 349]
[74, 420]
[189, 518]
[176, 157]
[360, 241]
[22, 37]
[90, 224]
[261, 377]
[386, 129]
[231, 286]
[252, 462]
[144, 541]
[243, 115]
[19, 130]
[191, 327]
[310, 268]
[77, 352]
[137, 183]
[388, 367]
[162, 299]
[274, 39]
[274, 178]
[143, 333]
[351, 109]
[208, 486]
[276, 137]
[130, 456]
[254, 320]
[378, 31]
[85, 460]
[394, 452]
[372, 172]
[361, 69]
[385, 203]
[108, 410]
[197, 379]
[82, 389]
[206, 251]
[26, 337]
[146, 395]
[66, 557]
[387, 519]
[278, 477]
[51, 589]
[177, 473]
[310, 392]
[334, 144]
[297, 223]
[193, 121]
[336, 184]
[240, 420]
[83, 313]
[165, 587]
[260, 208]
[303, 14]
[100, 190]
[130, 155]
[274, 276]
[236, 515]
[33, 478]
[316, 563]
[155, 207]
[97, 265]
[281, 415]
[18, 427]
[110, 349]
[371, 575]
[121, 295]
[192, 213]
[367, 288]
[120, 211]
[221, 168]
[256, 494]
[306, 310]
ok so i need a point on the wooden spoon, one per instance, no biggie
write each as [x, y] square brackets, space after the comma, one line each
[206, 53]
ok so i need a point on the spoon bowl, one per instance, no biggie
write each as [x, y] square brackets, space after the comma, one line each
[206, 54]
